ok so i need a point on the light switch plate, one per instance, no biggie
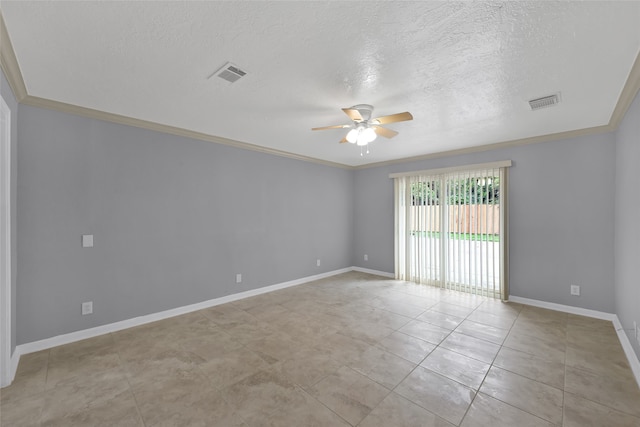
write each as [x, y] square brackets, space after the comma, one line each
[87, 307]
[87, 240]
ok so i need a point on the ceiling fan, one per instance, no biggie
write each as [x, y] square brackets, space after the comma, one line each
[364, 129]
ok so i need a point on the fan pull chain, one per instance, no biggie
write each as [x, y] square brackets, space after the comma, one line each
[367, 152]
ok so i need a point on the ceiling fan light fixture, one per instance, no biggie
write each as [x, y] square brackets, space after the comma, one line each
[364, 129]
[368, 135]
[361, 135]
[352, 135]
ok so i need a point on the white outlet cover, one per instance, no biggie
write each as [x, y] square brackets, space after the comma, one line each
[87, 307]
[318, 262]
[87, 240]
[366, 257]
[238, 278]
[575, 290]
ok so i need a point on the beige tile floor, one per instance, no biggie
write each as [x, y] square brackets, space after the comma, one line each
[352, 350]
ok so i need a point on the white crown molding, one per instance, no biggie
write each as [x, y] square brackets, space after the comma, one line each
[495, 146]
[35, 101]
[9, 64]
[628, 94]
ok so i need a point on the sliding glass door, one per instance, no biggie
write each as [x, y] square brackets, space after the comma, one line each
[450, 229]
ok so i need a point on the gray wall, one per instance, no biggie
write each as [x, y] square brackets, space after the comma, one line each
[173, 219]
[561, 217]
[627, 226]
[8, 97]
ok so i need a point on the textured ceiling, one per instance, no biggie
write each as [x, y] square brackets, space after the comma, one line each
[464, 70]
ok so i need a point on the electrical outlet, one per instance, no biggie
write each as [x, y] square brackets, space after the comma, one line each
[87, 308]
[238, 278]
[318, 262]
[366, 257]
[87, 240]
[575, 290]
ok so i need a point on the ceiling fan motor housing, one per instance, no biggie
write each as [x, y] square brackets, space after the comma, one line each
[364, 129]
[365, 111]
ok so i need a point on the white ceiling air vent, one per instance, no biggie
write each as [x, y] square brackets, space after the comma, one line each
[230, 72]
[544, 102]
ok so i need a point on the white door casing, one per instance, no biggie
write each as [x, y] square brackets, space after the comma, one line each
[5, 244]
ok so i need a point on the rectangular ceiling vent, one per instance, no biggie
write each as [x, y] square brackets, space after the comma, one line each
[544, 102]
[230, 72]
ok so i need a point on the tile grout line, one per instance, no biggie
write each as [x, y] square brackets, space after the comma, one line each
[296, 385]
[46, 379]
[439, 345]
[486, 374]
[506, 403]
[375, 345]
[124, 368]
[321, 403]
[392, 390]
[419, 365]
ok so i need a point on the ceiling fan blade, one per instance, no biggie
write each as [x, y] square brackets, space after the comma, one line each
[343, 140]
[393, 118]
[331, 127]
[353, 114]
[387, 133]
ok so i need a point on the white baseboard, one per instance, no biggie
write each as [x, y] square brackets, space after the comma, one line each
[564, 308]
[376, 272]
[634, 362]
[154, 317]
[15, 358]
[632, 357]
[7, 378]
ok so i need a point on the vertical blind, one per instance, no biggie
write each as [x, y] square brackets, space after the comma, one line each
[451, 230]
